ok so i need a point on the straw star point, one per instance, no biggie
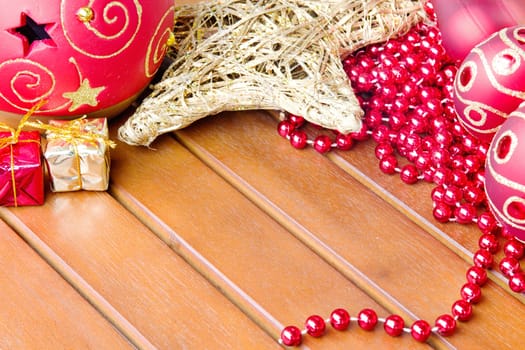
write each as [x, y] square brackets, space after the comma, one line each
[266, 54]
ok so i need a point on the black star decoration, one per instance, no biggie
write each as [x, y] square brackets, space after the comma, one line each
[30, 32]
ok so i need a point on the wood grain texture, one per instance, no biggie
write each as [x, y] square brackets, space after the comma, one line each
[40, 310]
[138, 276]
[405, 262]
[257, 254]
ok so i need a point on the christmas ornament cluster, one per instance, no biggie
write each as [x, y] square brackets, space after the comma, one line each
[93, 58]
[452, 119]
[443, 108]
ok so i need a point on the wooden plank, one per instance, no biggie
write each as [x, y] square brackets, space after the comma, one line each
[38, 309]
[203, 218]
[360, 231]
[462, 239]
[131, 276]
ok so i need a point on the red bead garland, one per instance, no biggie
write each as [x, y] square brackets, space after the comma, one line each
[405, 87]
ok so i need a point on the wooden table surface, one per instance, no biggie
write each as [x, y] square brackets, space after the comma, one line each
[224, 234]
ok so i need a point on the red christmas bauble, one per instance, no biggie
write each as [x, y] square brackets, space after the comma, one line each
[465, 23]
[504, 175]
[81, 57]
[490, 82]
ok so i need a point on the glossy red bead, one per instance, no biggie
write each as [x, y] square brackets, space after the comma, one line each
[388, 164]
[442, 212]
[412, 141]
[291, 336]
[340, 319]
[296, 120]
[418, 121]
[365, 62]
[479, 178]
[489, 242]
[509, 266]
[473, 194]
[457, 161]
[411, 62]
[465, 213]
[402, 136]
[367, 319]
[440, 156]
[396, 121]
[462, 310]
[486, 222]
[409, 89]
[469, 142]
[373, 118]
[483, 258]
[428, 174]
[423, 160]
[442, 176]
[344, 142]
[437, 193]
[298, 139]
[428, 143]
[364, 81]
[284, 128]
[455, 148]
[477, 275]
[517, 283]
[471, 293]
[394, 325]
[514, 249]
[383, 149]
[444, 138]
[315, 326]
[452, 195]
[322, 144]
[456, 128]
[420, 330]
[409, 174]
[381, 134]
[482, 150]
[472, 163]
[506, 233]
[446, 325]
[458, 178]
[387, 92]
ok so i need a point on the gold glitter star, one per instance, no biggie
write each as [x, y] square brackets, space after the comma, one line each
[85, 95]
[267, 54]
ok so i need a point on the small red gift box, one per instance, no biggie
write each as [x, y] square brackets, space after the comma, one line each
[21, 170]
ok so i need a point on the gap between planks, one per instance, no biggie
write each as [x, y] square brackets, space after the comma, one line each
[339, 263]
[76, 281]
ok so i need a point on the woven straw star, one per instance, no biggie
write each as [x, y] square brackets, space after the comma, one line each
[266, 54]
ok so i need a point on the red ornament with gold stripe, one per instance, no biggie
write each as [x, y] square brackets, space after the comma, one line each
[504, 174]
[490, 83]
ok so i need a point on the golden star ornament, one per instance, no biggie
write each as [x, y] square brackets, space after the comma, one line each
[267, 54]
[85, 95]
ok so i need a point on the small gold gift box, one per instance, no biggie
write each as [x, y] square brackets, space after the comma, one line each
[77, 154]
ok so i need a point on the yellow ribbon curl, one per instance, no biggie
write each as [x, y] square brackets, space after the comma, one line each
[14, 139]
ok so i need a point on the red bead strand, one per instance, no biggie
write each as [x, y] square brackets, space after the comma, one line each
[405, 88]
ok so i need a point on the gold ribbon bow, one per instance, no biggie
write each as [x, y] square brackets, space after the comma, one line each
[14, 139]
[74, 132]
